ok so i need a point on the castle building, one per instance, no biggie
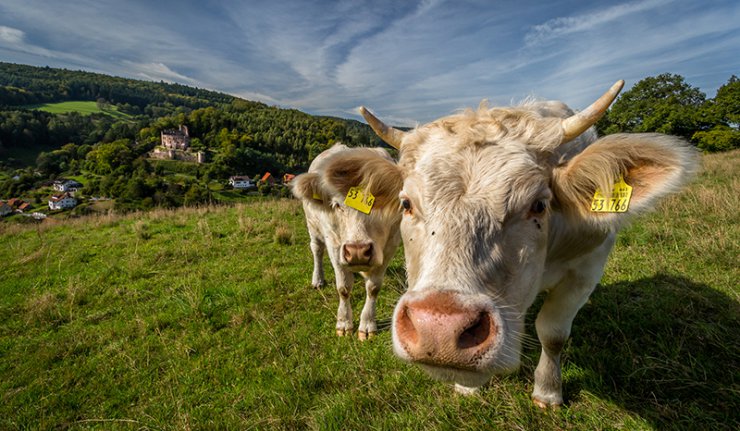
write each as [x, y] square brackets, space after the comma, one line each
[176, 139]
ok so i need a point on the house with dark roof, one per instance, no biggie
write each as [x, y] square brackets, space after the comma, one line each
[63, 185]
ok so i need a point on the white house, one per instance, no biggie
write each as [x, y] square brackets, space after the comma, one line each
[62, 201]
[241, 182]
[66, 185]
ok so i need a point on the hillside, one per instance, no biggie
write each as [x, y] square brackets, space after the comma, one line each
[205, 318]
[110, 148]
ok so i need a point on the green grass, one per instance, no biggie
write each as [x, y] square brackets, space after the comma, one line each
[82, 107]
[205, 319]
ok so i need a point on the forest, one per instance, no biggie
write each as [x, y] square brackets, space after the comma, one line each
[242, 137]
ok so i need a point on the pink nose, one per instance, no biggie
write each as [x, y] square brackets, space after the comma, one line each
[358, 253]
[439, 330]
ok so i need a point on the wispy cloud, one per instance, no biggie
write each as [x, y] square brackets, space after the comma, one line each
[581, 23]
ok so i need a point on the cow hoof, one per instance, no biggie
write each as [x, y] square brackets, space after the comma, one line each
[318, 285]
[343, 332]
[465, 390]
[544, 404]
[362, 336]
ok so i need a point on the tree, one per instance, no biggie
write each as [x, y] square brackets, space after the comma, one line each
[663, 104]
[723, 113]
[726, 104]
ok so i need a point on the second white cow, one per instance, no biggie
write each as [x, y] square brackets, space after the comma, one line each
[350, 198]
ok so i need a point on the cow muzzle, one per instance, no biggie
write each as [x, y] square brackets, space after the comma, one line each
[447, 330]
[358, 253]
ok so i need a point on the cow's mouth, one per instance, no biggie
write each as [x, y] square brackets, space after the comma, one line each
[358, 267]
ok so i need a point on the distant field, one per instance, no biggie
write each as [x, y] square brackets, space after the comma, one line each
[83, 107]
[205, 318]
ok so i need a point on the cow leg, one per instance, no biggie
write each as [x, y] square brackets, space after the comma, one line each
[555, 319]
[345, 279]
[368, 326]
[317, 249]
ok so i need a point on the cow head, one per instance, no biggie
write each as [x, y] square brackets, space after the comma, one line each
[360, 238]
[491, 199]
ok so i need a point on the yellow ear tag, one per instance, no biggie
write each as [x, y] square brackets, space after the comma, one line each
[618, 202]
[317, 197]
[360, 200]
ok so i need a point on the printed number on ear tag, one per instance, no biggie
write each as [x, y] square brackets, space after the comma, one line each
[359, 199]
[618, 202]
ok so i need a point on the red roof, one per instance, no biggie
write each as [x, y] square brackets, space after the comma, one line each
[266, 176]
[60, 196]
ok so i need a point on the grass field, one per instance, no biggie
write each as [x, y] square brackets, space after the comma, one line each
[205, 319]
[83, 107]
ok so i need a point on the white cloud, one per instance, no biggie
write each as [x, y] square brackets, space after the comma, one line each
[11, 35]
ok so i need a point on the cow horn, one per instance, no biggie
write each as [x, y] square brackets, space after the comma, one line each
[391, 136]
[580, 122]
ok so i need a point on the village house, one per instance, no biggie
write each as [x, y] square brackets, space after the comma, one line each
[287, 178]
[62, 201]
[63, 185]
[5, 209]
[241, 182]
[19, 205]
[267, 179]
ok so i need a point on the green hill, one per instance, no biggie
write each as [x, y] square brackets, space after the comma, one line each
[104, 128]
[205, 318]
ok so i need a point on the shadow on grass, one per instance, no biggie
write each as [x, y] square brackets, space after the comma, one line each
[664, 347]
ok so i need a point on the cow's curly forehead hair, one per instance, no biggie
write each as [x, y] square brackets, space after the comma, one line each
[534, 124]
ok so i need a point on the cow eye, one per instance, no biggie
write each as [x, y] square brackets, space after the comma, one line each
[406, 205]
[538, 207]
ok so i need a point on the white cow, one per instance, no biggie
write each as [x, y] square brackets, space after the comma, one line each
[500, 205]
[350, 198]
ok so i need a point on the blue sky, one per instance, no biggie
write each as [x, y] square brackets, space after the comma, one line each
[409, 61]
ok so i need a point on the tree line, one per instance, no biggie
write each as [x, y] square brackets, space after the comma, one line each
[668, 104]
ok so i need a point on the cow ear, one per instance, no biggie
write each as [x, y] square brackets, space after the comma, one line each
[652, 164]
[306, 186]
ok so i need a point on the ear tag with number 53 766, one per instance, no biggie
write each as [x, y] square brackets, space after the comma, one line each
[359, 199]
[617, 202]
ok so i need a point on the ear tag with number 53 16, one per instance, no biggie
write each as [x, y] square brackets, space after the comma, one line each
[617, 202]
[359, 199]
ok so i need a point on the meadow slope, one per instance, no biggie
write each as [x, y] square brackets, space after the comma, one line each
[205, 318]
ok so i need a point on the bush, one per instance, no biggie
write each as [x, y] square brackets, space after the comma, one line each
[720, 138]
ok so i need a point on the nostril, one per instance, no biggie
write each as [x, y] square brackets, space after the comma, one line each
[480, 330]
[405, 328]
[346, 252]
[368, 252]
